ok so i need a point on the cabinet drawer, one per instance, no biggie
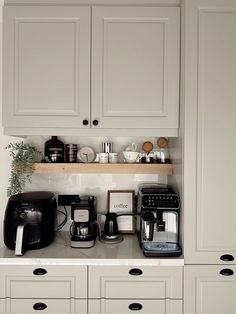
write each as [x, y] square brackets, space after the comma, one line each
[43, 281]
[132, 306]
[144, 282]
[47, 306]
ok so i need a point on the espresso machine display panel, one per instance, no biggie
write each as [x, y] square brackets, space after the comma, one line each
[158, 226]
[84, 215]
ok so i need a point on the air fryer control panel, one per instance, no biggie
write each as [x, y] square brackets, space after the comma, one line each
[161, 201]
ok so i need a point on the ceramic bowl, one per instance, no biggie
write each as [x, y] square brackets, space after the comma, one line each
[130, 157]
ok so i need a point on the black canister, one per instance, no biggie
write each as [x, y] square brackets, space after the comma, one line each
[54, 150]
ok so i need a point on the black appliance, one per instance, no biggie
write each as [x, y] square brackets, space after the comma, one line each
[30, 221]
[111, 231]
[84, 227]
[158, 226]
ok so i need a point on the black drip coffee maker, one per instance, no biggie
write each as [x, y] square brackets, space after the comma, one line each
[84, 227]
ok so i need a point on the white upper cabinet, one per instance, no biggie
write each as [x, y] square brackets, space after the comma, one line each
[135, 67]
[73, 69]
[210, 113]
[46, 67]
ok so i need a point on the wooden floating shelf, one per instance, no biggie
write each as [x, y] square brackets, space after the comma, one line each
[103, 168]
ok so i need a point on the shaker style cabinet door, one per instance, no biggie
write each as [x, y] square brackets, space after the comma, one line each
[135, 67]
[46, 67]
[210, 129]
[45, 306]
[132, 306]
[209, 289]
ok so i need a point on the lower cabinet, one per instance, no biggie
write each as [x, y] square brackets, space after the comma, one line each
[125, 289]
[210, 289]
[166, 306]
[50, 289]
[71, 289]
[47, 306]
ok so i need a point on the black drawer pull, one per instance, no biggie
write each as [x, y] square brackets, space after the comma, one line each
[227, 258]
[95, 122]
[135, 306]
[85, 122]
[39, 306]
[135, 272]
[227, 272]
[39, 271]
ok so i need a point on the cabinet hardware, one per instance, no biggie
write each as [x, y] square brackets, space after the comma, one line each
[85, 122]
[39, 271]
[135, 272]
[135, 306]
[39, 306]
[227, 272]
[227, 258]
[95, 122]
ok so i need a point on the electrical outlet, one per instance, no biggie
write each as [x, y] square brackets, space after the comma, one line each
[66, 199]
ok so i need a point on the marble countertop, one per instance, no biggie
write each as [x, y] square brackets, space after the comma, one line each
[127, 252]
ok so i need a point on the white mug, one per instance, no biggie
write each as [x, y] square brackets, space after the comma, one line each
[103, 158]
[113, 158]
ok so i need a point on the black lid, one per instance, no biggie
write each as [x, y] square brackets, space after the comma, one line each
[32, 196]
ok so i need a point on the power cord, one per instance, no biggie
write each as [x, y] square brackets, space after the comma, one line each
[62, 224]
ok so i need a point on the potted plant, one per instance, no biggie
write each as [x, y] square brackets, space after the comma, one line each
[22, 166]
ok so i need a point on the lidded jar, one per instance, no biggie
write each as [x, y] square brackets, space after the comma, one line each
[162, 152]
[54, 150]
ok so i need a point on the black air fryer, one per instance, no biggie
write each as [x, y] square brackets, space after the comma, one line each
[30, 221]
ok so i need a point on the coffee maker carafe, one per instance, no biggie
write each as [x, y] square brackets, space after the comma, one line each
[84, 227]
[158, 226]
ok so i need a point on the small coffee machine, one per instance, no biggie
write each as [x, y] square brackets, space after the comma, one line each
[83, 230]
[158, 220]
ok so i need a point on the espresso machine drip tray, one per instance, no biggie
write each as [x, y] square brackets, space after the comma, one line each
[161, 249]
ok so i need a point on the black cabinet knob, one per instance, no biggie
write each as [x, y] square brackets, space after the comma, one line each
[39, 306]
[226, 272]
[135, 306]
[135, 272]
[85, 122]
[227, 258]
[39, 271]
[95, 122]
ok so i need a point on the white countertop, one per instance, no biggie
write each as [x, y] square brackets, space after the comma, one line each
[59, 252]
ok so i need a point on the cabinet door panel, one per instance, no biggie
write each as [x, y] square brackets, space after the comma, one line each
[58, 282]
[207, 291]
[117, 282]
[128, 306]
[46, 66]
[210, 154]
[47, 306]
[135, 70]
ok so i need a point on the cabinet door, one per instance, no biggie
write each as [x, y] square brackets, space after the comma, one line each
[47, 306]
[135, 72]
[46, 67]
[128, 306]
[44, 281]
[144, 282]
[209, 289]
[210, 128]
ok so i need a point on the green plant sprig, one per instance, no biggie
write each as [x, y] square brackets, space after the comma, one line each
[22, 165]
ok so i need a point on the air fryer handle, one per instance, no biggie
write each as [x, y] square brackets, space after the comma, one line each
[20, 238]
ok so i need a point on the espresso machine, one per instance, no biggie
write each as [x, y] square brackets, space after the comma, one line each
[83, 229]
[158, 220]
